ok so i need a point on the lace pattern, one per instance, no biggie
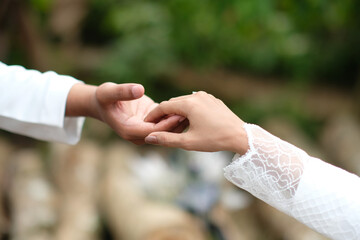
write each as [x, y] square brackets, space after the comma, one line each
[320, 195]
[270, 170]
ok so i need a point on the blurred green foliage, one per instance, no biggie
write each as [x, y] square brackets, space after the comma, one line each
[143, 49]
[306, 40]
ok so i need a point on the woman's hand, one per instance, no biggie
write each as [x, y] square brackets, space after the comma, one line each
[212, 125]
[122, 106]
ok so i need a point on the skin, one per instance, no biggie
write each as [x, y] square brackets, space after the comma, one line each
[121, 106]
[212, 125]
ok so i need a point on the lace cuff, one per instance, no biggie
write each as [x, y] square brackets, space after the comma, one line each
[270, 170]
[322, 196]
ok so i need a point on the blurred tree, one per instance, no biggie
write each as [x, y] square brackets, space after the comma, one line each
[307, 41]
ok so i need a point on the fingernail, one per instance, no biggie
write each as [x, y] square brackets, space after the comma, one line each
[181, 119]
[151, 140]
[137, 91]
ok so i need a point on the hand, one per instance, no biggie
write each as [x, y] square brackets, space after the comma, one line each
[122, 106]
[212, 125]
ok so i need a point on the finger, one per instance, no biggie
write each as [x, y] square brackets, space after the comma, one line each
[166, 139]
[151, 107]
[169, 123]
[145, 105]
[111, 92]
[141, 130]
[179, 98]
[181, 127]
[166, 108]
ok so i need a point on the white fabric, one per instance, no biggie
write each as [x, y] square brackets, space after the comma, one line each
[322, 196]
[33, 104]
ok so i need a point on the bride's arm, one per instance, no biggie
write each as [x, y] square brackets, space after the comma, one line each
[322, 196]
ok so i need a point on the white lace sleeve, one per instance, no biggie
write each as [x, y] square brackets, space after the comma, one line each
[320, 195]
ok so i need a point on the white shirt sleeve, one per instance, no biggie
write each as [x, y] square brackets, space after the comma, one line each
[33, 104]
[322, 196]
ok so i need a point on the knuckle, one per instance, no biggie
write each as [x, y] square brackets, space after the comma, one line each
[189, 103]
[122, 90]
[201, 93]
[167, 140]
[105, 85]
[162, 139]
[100, 96]
[163, 103]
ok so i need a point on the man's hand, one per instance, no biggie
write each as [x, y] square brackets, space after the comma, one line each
[122, 106]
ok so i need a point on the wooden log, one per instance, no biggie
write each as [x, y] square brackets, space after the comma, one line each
[130, 214]
[76, 174]
[5, 152]
[317, 101]
[235, 225]
[66, 17]
[32, 198]
[341, 138]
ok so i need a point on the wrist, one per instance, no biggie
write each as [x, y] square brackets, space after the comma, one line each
[239, 142]
[81, 101]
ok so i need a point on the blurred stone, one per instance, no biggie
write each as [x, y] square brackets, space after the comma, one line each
[199, 197]
[32, 198]
[209, 166]
[130, 214]
[76, 175]
[341, 139]
[236, 225]
[159, 179]
[234, 199]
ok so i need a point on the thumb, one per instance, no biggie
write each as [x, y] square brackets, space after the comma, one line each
[111, 92]
[166, 139]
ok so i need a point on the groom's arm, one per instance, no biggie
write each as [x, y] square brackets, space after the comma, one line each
[33, 104]
[52, 107]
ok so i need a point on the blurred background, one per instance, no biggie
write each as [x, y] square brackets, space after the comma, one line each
[290, 66]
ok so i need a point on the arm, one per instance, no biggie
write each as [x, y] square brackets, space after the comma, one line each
[52, 107]
[33, 104]
[318, 194]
